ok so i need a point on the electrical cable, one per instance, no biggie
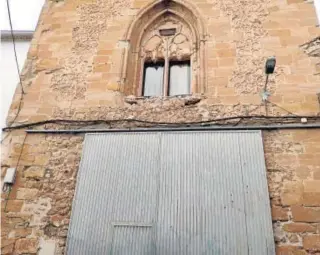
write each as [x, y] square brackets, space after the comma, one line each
[266, 83]
[102, 121]
[18, 69]
[14, 45]
[274, 104]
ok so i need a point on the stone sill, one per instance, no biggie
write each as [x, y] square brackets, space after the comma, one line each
[189, 99]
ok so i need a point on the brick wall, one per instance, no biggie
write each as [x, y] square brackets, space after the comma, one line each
[73, 71]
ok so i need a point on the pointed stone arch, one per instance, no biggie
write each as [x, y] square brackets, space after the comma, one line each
[182, 14]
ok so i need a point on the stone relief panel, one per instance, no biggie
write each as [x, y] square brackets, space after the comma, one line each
[176, 44]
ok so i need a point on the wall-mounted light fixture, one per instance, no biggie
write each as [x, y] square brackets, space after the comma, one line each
[269, 69]
[270, 65]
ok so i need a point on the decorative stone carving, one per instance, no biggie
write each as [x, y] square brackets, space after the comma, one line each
[176, 47]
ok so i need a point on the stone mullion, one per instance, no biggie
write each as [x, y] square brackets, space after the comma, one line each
[166, 71]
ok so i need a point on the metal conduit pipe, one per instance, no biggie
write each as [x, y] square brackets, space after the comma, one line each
[172, 129]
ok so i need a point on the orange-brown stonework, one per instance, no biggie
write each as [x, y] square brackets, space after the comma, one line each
[85, 63]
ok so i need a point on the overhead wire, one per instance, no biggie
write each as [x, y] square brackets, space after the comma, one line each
[14, 45]
[110, 121]
[18, 69]
[276, 105]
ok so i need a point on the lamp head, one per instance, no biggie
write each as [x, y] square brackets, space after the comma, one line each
[270, 65]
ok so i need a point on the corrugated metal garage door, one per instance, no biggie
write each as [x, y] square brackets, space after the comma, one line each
[172, 193]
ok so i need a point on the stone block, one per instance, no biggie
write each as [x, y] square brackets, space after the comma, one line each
[225, 91]
[113, 86]
[294, 1]
[27, 159]
[32, 97]
[279, 32]
[279, 213]
[293, 238]
[230, 100]
[311, 186]
[270, 43]
[45, 54]
[287, 41]
[311, 199]
[223, 72]
[47, 63]
[290, 250]
[34, 172]
[305, 214]
[103, 68]
[250, 99]
[97, 86]
[310, 107]
[47, 247]
[299, 228]
[270, 24]
[21, 232]
[221, 45]
[101, 59]
[316, 174]
[307, 22]
[7, 245]
[25, 193]
[292, 193]
[26, 245]
[284, 60]
[14, 205]
[57, 220]
[45, 110]
[139, 3]
[41, 160]
[226, 61]
[294, 78]
[311, 242]
[226, 53]
[213, 63]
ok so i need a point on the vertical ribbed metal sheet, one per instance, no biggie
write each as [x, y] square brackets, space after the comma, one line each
[172, 193]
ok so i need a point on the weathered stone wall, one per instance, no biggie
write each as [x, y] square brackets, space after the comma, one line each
[293, 164]
[73, 71]
[76, 56]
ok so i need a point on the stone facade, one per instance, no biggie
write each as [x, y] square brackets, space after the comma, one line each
[83, 65]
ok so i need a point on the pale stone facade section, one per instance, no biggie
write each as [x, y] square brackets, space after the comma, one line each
[84, 63]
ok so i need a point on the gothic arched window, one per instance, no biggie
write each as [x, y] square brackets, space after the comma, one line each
[166, 52]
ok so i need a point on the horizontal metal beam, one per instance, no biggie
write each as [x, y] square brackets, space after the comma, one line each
[18, 34]
[163, 129]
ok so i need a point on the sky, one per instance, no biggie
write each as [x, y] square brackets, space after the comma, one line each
[24, 14]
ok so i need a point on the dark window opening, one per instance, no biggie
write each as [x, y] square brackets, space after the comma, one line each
[168, 32]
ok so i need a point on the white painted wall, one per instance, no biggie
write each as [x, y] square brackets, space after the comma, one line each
[24, 15]
[9, 78]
